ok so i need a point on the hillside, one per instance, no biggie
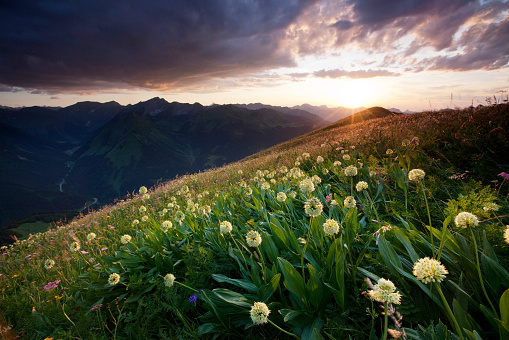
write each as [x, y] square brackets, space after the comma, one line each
[297, 241]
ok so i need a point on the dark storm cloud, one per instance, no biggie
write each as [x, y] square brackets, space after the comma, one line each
[91, 44]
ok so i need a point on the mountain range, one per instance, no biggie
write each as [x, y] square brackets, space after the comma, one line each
[60, 159]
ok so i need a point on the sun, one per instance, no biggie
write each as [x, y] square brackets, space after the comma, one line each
[353, 93]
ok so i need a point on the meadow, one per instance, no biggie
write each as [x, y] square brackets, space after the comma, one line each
[394, 227]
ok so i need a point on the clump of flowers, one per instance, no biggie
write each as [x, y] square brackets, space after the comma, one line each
[166, 225]
[225, 227]
[75, 246]
[313, 207]
[385, 291]
[113, 279]
[350, 170]
[91, 236]
[253, 238]
[361, 186]
[259, 313]
[330, 227]
[429, 270]
[143, 190]
[125, 239]
[349, 202]
[306, 186]
[466, 219]
[281, 196]
[416, 175]
[49, 263]
[169, 279]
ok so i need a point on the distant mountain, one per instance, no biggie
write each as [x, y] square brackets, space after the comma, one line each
[56, 159]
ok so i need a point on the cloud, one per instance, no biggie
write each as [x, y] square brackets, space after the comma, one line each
[358, 74]
[86, 44]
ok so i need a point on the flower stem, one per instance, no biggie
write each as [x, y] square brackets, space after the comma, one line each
[450, 315]
[282, 330]
[386, 320]
[429, 219]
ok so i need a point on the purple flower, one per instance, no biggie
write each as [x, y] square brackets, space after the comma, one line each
[103, 249]
[111, 228]
[193, 298]
[505, 175]
[96, 265]
[53, 284]
[84, 252]
[96, 307]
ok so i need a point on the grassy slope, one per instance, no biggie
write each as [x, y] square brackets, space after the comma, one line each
[474, 143]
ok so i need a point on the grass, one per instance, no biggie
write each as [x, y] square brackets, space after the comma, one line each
[314, 282]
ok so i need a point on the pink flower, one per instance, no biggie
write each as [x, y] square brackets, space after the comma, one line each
[53, 284]
[505, 175]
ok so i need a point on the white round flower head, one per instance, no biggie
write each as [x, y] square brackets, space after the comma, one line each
[135, 222]
[91, 236]
[416, 175]
[330, 227]
[249, 191]
[166, 225]
[293, 194]
[306, 155]
[337, 163]
[225, 227]
[313, 207]
[466, 219]
[49, 263]
[385, 291]
[281, 196]
[306, 186]
[142, 209]
[361, 186]
[144, 218]
[349, 202]
[205, 210]
[146, 196]
[265, 186]
[346, 157]
[389, 152]
[180, 216]
[405, 142]
[297, 163]
[259, 313]
[490, 206]
[319, 159]
[253, 238]
[325, 171]
[351, 170]
[125, 239]
[429, 270]
[506, 234]
[75, 246]
[334, 203]
[316, 179]
[240, 172]
[273, 181]
[143, 190]
[168, 280]
[113, 279]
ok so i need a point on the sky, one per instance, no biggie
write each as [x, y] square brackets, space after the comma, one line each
[406, 54]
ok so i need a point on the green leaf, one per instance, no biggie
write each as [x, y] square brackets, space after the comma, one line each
[293, 281]
[232, 297]
[289, 314]
[314, 287]
[504, 307]
[250, 287]
[265, 292]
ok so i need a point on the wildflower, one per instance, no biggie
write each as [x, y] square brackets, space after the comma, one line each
[125, 239]
[350, 170]
[281, 196]
[325, 171]
[330, 227]
[143, 190]
[168, 280]
[142, 209]
[337, 163]
[253, 238]
[313, 207]
[293, 194]
[144, 218]
[385, 291]
[405, 142]
[319, 159]
[193, 298]
[506, 234]
[466, 219]
[306, 155]
[381, 231]
[259, 313]
[415, 141]
[240, 172]
[96, 307]
[113, 279]
[389, 152]
[416, 175]
[349, 202]
[249, 191]
[225, 227]
[135, 222]
[75, 246]
[180, 216]
[361, 186]
[328, 198]
[265, 186]
[429, 270]
[91, 236]
[491, 207]
[297, 163]
[346, 157]
[49, 263]
[166, 225]
[51, 285]
[334, 203]
[306, 186]
[504, 175]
